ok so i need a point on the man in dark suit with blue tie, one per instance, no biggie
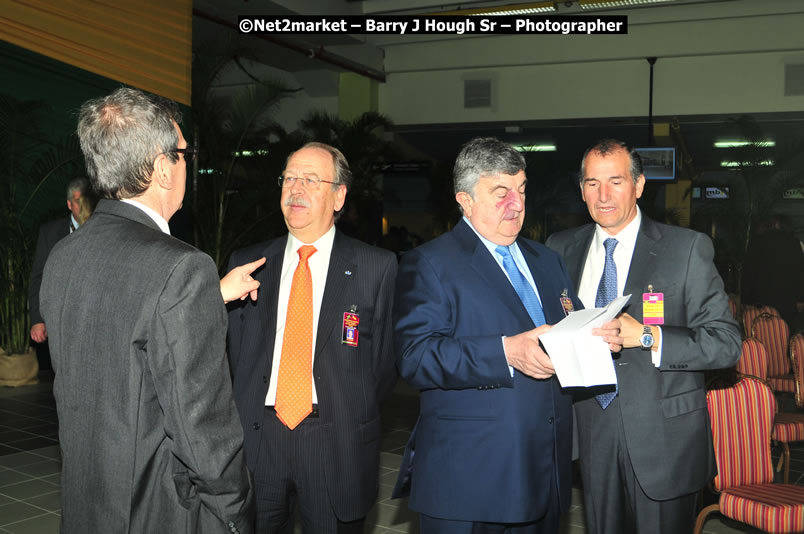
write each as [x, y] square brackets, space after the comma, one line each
[491, 450]
[646, 448]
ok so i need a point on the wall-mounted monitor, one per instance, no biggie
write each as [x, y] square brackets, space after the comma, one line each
[659, 163]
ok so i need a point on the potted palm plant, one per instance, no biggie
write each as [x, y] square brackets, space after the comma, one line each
[31, 169]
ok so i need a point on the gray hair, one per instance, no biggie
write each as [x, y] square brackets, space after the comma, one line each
[79, 184]
[606, 147]
[343, 174]
[121, 135]
[484, 156]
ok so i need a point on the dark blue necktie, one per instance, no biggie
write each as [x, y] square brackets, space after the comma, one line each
[606, 292]
[522, 287]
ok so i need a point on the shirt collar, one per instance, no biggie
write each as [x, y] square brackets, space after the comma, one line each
[626, 237]
[489, 244]
[323, 245]
[150, 212]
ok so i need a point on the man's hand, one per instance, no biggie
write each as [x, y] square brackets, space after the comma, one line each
[611, 334]
[631, 331]
[526, 356]
[39, 332]
[238, 283]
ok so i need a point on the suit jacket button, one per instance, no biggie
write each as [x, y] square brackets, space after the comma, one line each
[550, 420]
[265, 380]
[256, 426]
[231, 524]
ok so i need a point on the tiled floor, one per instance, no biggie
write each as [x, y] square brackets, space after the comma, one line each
[30, 465]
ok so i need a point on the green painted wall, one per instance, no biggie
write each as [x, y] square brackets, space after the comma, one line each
[356, 95]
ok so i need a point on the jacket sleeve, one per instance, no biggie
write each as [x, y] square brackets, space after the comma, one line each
[43, 246]
[385, 364]
[186, 358]
[235, 309]
[710, 339]
[431, 354]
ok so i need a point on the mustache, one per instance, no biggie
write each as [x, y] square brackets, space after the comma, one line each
[297, 201]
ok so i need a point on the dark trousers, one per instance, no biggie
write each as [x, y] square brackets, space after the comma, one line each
[433, 525]
[548, 524]
[613, 499]
[290, 481]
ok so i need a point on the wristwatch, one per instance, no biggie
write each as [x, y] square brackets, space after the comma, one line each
[646, 340]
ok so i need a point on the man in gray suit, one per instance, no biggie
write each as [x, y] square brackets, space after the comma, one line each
[148, 428]
[308, 379]
[646, 448]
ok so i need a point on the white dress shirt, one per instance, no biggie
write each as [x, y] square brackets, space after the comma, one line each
[319, 266]
[596, 259]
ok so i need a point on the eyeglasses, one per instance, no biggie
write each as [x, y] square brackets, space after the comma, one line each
[308, 182]
[189, 153]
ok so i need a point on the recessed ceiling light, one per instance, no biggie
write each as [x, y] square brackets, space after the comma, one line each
[512, 9]
[736, 143]
[535, 148]
[732, 163]
[600, 4]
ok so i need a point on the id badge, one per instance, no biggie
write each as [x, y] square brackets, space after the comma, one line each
[351, 323]
[566, 303]
[652, 307]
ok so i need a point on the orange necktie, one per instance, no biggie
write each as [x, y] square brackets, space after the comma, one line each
[294, 388]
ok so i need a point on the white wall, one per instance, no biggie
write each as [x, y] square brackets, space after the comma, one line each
[725, 57]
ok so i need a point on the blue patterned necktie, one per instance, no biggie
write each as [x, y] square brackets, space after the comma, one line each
[522, 287]
[606, 292]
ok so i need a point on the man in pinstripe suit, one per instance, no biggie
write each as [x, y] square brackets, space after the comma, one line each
[326, 466]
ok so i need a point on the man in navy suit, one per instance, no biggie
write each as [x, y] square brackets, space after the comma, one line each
[491, 450]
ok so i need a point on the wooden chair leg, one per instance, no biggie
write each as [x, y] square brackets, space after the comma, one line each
[701, 519]
[786, 456]
[780, 463]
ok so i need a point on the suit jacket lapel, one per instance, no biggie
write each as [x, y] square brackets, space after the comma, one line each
[542, 279]
[268, 302]
[643, 263]
[575, 255]
[489, 270]
[342, 270]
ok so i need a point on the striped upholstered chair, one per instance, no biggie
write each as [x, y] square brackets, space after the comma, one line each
[751, 312]
[753, 360]
[787, 427]
[742, 418]
[773, 332]
[797, 361]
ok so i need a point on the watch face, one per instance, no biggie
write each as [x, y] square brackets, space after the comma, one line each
[646, 340]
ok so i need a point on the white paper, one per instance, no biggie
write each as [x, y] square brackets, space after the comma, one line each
[579, 358]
